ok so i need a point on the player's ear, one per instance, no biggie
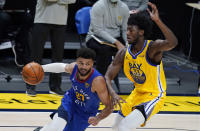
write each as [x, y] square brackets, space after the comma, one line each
[141, 32]
[93, 63]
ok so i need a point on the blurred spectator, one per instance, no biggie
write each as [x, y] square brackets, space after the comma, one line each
[16, 18]
[108, 23]
[50, 20]
[73, 8]
[136, 5]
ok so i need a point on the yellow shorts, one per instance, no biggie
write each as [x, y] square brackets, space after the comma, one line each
[152, 103]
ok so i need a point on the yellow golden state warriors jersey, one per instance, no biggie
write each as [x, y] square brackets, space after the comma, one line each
[146, 76]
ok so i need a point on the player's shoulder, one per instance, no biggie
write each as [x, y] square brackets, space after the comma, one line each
[98, 79]
[98, 82]
[119, 57]
[153, 45]
[121, 53]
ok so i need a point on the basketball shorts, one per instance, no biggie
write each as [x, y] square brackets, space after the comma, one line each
[76, 120]
[150, 104]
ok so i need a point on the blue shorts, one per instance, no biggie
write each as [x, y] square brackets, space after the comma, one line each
[76, 120]
[77, 123]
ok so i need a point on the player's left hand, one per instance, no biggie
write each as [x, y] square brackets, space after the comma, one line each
[93, 120]
[116, 100]
[154, 12]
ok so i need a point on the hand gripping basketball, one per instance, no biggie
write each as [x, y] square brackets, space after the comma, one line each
[32, 73]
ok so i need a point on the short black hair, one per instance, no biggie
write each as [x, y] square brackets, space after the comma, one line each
[143, 21]
[86, 53]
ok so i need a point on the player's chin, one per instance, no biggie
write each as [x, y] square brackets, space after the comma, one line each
[83, 73]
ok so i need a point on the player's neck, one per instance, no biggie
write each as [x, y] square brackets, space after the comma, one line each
[138, 46]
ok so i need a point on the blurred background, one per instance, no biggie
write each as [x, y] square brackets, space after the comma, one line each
[181, 64]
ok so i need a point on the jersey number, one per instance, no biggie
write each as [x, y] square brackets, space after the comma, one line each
[80, 96]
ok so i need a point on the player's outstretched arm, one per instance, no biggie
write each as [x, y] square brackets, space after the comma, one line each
[112, 71]
[170, 39]
[58, 67]
[99, 86]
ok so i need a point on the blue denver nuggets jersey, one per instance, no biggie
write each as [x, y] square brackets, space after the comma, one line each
[80, 102]
[85, 100]
[81, 98]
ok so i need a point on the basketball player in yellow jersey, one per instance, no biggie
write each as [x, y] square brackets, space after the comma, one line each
[142, 63]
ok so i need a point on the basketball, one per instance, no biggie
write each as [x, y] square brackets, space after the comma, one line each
[32, 73]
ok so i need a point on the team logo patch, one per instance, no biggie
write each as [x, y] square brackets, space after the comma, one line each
[87, 85]
[136, 73]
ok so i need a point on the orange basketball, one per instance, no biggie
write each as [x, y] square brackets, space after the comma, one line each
[32, 73]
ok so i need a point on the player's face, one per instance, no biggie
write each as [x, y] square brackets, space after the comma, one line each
[132, 34]
[84, 66]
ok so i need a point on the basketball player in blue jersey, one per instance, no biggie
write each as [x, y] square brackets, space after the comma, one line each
[142, 63]
[80, 104]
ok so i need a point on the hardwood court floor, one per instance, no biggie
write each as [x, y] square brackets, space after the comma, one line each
[27, 121]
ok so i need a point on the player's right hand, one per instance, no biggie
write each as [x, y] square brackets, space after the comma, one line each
[93, 120]
[116, 100]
